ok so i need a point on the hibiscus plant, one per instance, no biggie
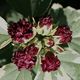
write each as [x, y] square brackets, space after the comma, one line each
[40, 41]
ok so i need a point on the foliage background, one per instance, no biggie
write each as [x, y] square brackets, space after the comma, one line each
[4, 7]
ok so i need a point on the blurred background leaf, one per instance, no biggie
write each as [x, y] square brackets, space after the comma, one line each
[5, 7]
[30, 7]
[5, 54]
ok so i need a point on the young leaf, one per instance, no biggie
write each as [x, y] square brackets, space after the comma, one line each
[57, 13]
[4, 37]
[75, 44]
[70, 62]
[69, 56]
[24, 75]
[3, 26]
[39, 76]
[72, 70]
[4, 40]
[2, 72]
[13, 16]
[12, 73]
[69, 16]
[47, 76]
[43, 76]
[73, 20]
[61, 75]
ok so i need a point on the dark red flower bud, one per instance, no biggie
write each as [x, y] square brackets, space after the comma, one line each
[20, 31]
[45, 21]
[32, 50]
[65, 34]
[50, 62]
[51, 42]
[23, 60]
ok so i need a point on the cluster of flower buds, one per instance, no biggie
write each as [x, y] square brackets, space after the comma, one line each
[49, 37]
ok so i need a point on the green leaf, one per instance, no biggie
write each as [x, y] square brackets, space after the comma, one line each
[6, 55]
[4, 7]
[69, 16]
[4, 40]
[30, 7]
[72, 70]
[43, 76]
[1, 72]
[70, 64]
[69, 56]
[4, 37]
[58, 15]
[73, 20]
[60, 75]
[47, 76]
[37, 66]
[3, 26]
[13, 16]
[39, 76]
[12, 73]
[24, 75]
[75, 44]
[55, 75]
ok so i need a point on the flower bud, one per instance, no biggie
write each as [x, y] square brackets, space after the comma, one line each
[25, 58]
[45, 25]
[65, 34]
[50, 62]
[21, 31]
[49, 42]
[23, 61]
